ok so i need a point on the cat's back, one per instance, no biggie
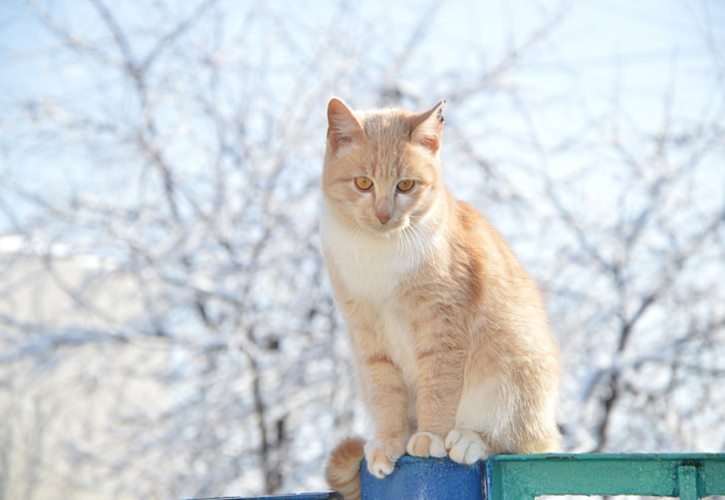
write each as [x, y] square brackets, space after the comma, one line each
[486, 265]
[494, 274]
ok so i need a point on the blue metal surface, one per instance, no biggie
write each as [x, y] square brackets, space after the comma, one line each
[424, 479]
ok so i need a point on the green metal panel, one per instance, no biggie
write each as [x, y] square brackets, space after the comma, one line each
[519, 477]
[711, 477]
[687, 482]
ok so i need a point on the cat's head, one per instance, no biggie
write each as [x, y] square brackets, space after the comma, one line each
[382, 171]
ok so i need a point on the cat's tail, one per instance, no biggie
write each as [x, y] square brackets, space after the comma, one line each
[343, 468]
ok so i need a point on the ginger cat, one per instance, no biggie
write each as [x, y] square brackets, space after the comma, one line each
[449, 333]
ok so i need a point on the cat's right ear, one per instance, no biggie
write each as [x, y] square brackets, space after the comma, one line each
[342, 125]
[426, 128]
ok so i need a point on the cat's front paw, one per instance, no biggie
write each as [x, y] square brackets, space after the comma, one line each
[426, 444]
[465, 447]
[381, 455]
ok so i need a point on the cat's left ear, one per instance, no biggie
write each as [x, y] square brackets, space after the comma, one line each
[343, 127]
[426, 128]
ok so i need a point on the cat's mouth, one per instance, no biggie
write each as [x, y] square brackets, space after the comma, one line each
[390, 229]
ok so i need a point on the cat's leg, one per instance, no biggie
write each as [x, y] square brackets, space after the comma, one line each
[530, 426]
[466, 446]
[387, 400]
[522, 427]
[507, 406]
[440, 359]
[477, 412]
[386, 395]
[482, 405]
[529, 391]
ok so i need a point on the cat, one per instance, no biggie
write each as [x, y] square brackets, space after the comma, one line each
[450, 338]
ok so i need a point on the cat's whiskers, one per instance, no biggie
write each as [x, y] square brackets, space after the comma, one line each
[404, 247]
[427, 235]
[408, 243]
[357, 231]
[420, 240]
[419, 237]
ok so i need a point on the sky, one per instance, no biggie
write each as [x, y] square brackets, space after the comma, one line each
[644, 38]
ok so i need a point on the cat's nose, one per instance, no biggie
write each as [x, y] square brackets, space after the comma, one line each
[383, 216]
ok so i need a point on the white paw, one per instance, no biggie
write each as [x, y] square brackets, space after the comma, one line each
[465, 447]
[381, 455]
[426, 444]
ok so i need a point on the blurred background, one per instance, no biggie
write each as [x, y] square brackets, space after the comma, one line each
[166, 325]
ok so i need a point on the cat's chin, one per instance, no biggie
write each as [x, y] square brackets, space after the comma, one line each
[388, 231]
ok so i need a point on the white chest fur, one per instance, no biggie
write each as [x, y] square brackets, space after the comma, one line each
[371, 268]
[398, 338]
[370, 265]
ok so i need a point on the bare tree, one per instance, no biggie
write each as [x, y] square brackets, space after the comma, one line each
[165, 324]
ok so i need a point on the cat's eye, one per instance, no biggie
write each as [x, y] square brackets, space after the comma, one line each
[405, 185]
[363, 183]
